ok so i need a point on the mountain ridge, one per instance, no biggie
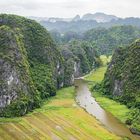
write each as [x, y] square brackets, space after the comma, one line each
[121, 82]
[99, 17]
[32, 67]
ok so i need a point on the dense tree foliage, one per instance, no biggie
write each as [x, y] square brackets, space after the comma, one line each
[14, 63]
[106, 40]
[33, 67]
[40, 56]
[80, 58]
[66, 37]
[122, 81]
[102, 39]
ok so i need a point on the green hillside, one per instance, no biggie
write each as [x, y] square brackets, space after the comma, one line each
[32, 65]
[122, 81]
[106, 40]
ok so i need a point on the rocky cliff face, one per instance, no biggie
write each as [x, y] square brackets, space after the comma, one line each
[28, 65]
[122, 81]
[31, 66]
[123, 76]
[79, 59]
[71, 66]
[15, 81]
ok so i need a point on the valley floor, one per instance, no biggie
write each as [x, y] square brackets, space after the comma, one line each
[60, 118]
[118, 110]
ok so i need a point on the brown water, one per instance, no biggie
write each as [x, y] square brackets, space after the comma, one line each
[86, 101]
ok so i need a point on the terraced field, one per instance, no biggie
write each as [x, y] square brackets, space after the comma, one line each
[58, 119]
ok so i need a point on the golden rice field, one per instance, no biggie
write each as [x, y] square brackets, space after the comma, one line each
[58, 119]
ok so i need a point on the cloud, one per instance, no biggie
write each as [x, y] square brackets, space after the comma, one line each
[69, 8]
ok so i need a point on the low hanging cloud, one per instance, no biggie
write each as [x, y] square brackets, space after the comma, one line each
[69, 8]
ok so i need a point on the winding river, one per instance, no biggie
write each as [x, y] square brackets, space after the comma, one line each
[86, 101]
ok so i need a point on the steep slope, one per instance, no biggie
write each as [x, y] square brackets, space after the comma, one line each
[16, 86]
[80, 58]
[30, 56]
[99, 17]
[31, 66]
[122, 81]
[102, 39]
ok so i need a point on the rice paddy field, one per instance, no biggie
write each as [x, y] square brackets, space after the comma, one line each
[60, 118]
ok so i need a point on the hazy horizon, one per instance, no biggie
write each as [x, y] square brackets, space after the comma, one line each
[70, 8]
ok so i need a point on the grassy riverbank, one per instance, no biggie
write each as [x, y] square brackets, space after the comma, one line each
[58, 119]
[118, 110]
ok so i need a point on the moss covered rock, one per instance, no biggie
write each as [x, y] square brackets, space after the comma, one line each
[16, 85]
[122, 80]
[79, 58]
[32, 67]
[28, 65]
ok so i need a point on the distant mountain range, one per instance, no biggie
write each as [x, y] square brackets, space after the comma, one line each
[86, 22]
[99, 17]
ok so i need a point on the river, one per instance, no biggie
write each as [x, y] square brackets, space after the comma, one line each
[86, 101]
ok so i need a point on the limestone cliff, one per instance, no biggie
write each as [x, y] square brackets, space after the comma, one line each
[32, 67]
[122, 81]
[79, 59]
[16, 86]
[28, 65]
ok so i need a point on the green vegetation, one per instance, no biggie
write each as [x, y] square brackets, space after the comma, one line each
[79, 58]
[66, 37]
[106, 40]
[14, 63]
[130, 116]
[59, 118]
[86, 54]
[122, 80]
[96, 75]
[40, 74]
[105, 60]
[32, 57]
[33, 67]
[120, 111]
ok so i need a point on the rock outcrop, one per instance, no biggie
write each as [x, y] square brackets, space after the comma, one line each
[16, 86]
[79, 59]
[32, 67]
[122, 81]
[28, 65]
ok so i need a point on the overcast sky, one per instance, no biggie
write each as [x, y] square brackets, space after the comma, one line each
[70, 8]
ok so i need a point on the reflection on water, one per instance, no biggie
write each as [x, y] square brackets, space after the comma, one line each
[86, 101]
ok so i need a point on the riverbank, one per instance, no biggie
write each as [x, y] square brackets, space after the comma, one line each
[118, 110]
[60, 118]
